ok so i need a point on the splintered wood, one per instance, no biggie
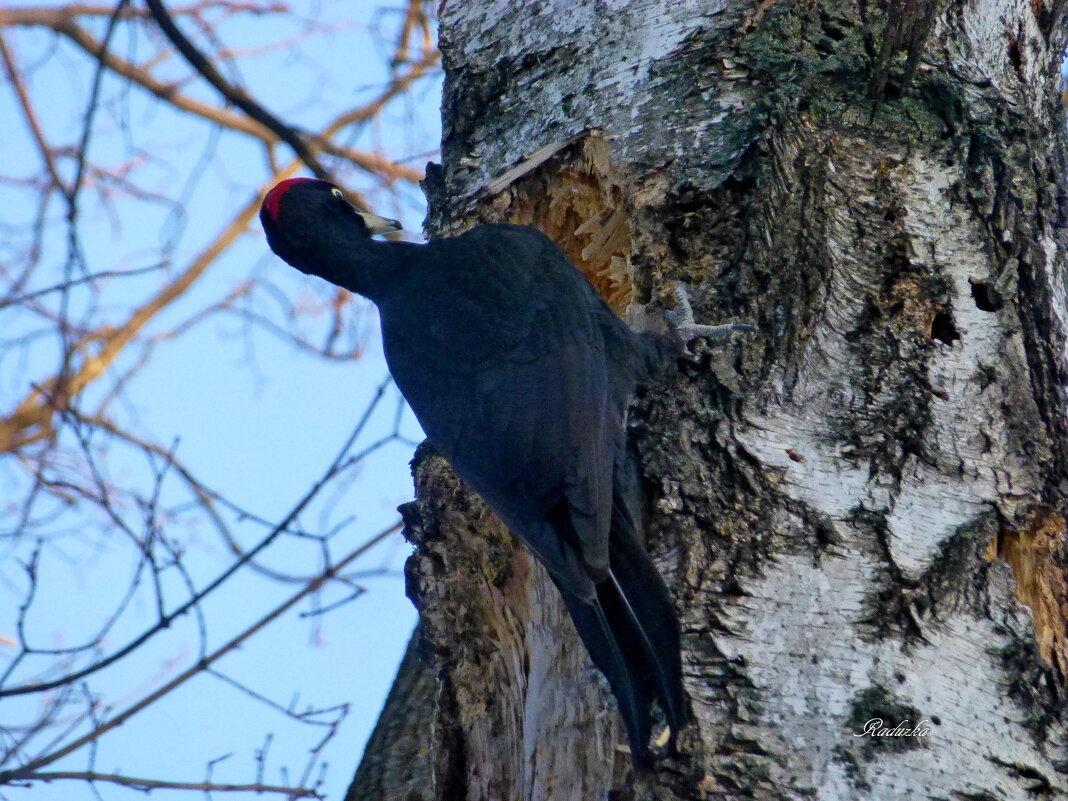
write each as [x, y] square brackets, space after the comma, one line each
[575, 197]
[1040, 582]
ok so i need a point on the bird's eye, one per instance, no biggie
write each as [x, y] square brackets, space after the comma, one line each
[337, 193]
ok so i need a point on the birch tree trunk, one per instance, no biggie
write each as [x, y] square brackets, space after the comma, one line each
[861, 510]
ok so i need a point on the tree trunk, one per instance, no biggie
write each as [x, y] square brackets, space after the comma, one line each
[860, 510]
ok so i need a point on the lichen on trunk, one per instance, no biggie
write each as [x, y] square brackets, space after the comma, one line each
[860, 510]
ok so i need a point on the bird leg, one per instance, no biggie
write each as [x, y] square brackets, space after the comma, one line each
[682, 324]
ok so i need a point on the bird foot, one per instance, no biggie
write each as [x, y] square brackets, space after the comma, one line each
[682, 324]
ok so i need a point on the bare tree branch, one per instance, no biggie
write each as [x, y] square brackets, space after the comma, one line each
[84, 279]
[30, 115]
[340, 463]
[69, 467]
[235, 94]
[147, 785]
[65, 23]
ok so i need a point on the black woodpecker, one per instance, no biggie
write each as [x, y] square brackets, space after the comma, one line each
[520, 375]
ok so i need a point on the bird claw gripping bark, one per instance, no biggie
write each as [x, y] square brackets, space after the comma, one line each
[683, 327]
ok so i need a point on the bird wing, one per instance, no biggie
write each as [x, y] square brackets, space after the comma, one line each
[544, 448]
[508, 375]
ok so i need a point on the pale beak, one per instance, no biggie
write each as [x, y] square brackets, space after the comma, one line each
[378, 225]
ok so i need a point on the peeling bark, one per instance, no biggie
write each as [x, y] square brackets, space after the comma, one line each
[860, 511]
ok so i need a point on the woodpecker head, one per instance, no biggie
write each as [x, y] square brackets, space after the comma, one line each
[305, 218]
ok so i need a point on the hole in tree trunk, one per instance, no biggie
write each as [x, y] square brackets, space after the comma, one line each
[942, 328]
[985, 300]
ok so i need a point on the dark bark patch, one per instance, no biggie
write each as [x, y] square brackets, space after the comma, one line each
[1048, 14]
[1008, 163]
[450, 750]
[875, 708]
[957, 579]
[905, 28]
[878, 724]
[1035, 687]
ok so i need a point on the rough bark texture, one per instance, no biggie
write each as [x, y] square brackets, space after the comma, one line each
[398, 762]
[861, 510]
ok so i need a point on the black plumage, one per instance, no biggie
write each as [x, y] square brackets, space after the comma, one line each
[520, 375]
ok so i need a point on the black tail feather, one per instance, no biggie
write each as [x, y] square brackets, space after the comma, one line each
[632, 634]
[647, 624]
[616, 662]
[648, 603]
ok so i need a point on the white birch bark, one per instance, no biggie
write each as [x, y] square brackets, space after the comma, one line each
[860, 510]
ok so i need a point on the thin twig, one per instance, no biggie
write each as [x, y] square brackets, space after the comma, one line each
[235, 94]
[341, 461]
[147, 785]
[17, 774]
[84, 279]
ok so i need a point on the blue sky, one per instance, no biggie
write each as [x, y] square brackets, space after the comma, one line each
[249, 413]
